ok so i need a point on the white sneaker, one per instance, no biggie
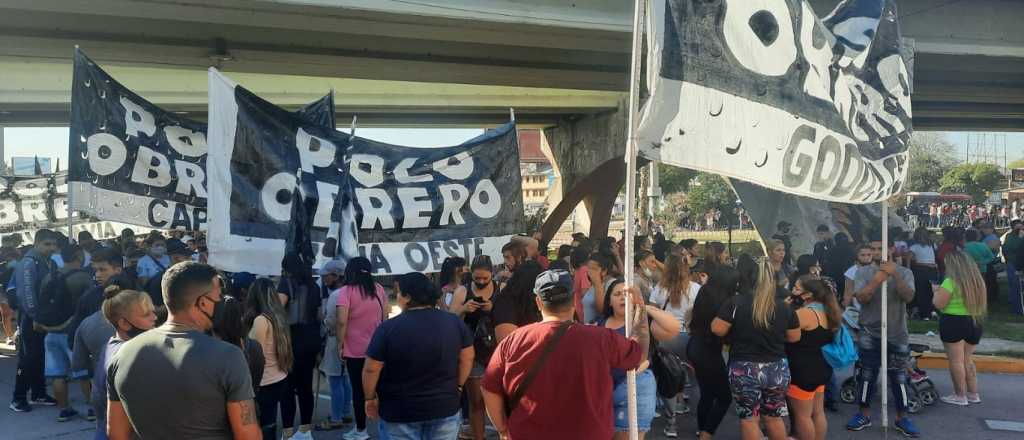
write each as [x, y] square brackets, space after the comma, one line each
[355, 435]
[973, 398]
[954, 400]
[299, 435]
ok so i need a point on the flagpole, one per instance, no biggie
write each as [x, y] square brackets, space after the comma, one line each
[885, 318]
[631, 158]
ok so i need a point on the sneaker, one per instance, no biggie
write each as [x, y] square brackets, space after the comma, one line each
[66, 414]
[355, 435]
[906, 427]
[44, 400]
[954, 400]
[683, 409]
[670, 431]
[973, 398]
[20, 406]
[858, 422]
[90, 415]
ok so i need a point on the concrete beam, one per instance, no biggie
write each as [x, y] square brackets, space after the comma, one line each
[40, 93]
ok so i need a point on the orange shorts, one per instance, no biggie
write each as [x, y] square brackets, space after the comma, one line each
[798, 393]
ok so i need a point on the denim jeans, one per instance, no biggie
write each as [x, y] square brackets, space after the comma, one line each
[1013, 280]
[445, 428]
[870, 350]
[341, 397]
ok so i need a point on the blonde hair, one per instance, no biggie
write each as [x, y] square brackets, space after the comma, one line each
[764, 296]
[118, 303]
[676, 280]
[965, 274]
[770, 246]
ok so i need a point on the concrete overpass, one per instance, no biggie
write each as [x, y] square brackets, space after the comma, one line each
[458, 62]
[563, 64]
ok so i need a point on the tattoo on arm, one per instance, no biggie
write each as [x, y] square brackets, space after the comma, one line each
[248, 412]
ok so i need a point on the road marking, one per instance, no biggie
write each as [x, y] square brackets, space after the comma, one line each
[1005, 425]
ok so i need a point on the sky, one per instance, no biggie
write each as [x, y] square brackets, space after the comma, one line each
[53, 142]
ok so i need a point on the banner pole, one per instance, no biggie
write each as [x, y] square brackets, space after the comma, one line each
[353, 126]
[71, 221]
[631, 159]
[885, 319]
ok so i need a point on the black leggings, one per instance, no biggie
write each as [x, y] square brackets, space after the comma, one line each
[301, 385]
[267, 400]
[355, 375]
[713, 379]
[924, 276]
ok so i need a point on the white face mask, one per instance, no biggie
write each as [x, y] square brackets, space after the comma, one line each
[648, 272]
[158, 251]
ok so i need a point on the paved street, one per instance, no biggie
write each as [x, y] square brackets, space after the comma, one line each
[937, 422]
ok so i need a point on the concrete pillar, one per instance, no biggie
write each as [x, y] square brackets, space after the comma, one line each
[587, 152]
[3, 162]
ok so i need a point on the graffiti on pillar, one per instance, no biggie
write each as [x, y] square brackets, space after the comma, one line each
[767, 92]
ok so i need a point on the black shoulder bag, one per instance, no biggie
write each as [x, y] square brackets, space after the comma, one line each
[667, 368]
[512, 401]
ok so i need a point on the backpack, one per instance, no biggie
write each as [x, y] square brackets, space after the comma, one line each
[54, 302]
[668, 372]
[841, 352]
[668, 369]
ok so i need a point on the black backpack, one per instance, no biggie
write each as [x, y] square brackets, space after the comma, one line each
[55, 305]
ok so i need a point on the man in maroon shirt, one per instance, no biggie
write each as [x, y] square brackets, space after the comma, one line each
[571, 394]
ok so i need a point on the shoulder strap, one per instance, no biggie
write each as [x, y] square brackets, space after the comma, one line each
[518, 393]
[383, 315]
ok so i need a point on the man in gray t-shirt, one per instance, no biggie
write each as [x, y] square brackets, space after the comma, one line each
[900, 293]
[174, 381]
[867, 283]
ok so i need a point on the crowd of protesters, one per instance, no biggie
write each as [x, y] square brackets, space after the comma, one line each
[535, 347]
[959, 214]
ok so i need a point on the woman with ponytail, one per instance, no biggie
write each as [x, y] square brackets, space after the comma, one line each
[759, 327]
[820, 317]
[962, 300]
[131, 313]
[268, 324]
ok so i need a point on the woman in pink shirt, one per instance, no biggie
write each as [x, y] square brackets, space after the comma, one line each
[362, 306]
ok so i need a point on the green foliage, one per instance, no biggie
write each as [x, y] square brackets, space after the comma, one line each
[674, 179]
[1019, 163]
[975, 179]
[931, 157]
[710, 191]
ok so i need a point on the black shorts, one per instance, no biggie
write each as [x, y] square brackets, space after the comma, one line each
[956, 328]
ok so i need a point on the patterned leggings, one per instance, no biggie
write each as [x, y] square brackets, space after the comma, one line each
[759, 389]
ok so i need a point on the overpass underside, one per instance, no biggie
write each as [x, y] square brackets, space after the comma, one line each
[562, 64]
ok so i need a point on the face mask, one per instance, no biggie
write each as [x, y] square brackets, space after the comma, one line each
[217, 308]
[158, 251]
[648, 272]
[797, 300]
[480, 286]
[134, 331]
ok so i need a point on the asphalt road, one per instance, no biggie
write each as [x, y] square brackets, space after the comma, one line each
[1001, 395]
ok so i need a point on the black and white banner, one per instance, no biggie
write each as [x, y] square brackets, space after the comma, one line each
[412, 207]
[33, 202]
[133, 162]
[417, 206]
[766, 92]
[261, 155]
[768, 207]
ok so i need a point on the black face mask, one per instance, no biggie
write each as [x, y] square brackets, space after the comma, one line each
[218, 307]
[480, 286]
[797, 301]
[134, 331]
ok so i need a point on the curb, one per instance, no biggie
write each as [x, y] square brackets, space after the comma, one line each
[984, 364]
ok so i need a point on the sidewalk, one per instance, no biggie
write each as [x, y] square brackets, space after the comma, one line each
[941, 421]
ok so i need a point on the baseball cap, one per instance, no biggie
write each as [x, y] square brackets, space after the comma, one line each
[336, 267]
[546, 282]
[175, 247]
[242, 280]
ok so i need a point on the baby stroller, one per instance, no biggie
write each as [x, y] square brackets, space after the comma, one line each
[922, 389]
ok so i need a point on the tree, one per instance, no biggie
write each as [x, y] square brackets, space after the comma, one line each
[673, 179]
[1019, 163]
[710, 191]
[931, 157]
[975, 179]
